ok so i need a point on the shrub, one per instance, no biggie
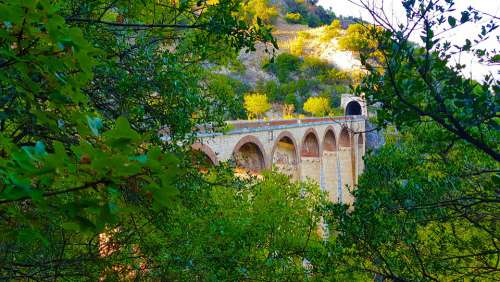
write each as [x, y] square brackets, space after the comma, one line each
[231, 91]
[260, 9]
[272, 89]
[283, 66]
[332, 31]
[291, 99]
[293, 18]
[288, 111]
[297, 46]
[256, 105]
[317, 106]
[335, 112]
[312, 67]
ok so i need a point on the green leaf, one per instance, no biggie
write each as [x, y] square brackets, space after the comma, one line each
[122, 134]
[452, 21]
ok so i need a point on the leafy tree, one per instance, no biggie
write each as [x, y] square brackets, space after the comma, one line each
[260, 10]
[253, 230]
[256, 105]
[362, 38]
[427, 205]
[233, 90]
[318, 106]
[85, 87]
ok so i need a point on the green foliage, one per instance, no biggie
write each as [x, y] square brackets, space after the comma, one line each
[410, 202]
[309, 12]
[291, 99]
[85, 87]
[233, 90]
[283, 66]
[427, 203]
[272, 90]
[313, 67]
[258, 230]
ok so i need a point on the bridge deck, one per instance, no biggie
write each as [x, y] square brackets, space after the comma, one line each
[242, 126]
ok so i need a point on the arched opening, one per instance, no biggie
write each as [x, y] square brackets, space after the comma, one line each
[360, 139]
[329, 143]
[330, 165]
[347, 167]
[285, 155]
[249, 156]
[310, 160]
[353, 108]
[203, 157]
[345, 140]
[310, 146]
[200, 158]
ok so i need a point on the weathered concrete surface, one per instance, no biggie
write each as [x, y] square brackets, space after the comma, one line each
[327, 150]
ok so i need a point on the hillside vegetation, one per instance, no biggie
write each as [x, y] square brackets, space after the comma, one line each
[317, 56]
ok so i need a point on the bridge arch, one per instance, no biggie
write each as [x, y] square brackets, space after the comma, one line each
[249, 153]
[353, 108]
[346, 156]
[345, 138]
[310, 146]
[329, 140]
[330, 161]
[285, 154]
[205, 150]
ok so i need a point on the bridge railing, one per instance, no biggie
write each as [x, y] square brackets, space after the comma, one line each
[240, 126]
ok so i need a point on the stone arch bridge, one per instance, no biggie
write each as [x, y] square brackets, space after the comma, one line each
[327, 150]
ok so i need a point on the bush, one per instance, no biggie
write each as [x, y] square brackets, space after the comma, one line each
[291, 99]
[294, 18]
[272, 89]
[260, 9]
[283, 66]
[297, 46]
[312, 67]
[332, 31]
[313, 20]
[336, 112]
[317, 106]
[256, 105]
[232, 91]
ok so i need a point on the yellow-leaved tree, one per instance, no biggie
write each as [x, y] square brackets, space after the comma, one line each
[260, 9]
[317, 106]
[256, 105]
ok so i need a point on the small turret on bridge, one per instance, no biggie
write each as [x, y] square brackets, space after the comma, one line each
[327, 150]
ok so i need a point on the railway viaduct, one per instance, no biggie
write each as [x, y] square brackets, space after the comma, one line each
[327, 150]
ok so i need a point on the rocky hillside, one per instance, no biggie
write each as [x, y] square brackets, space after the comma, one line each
[309, 61]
